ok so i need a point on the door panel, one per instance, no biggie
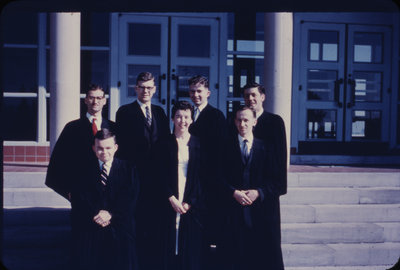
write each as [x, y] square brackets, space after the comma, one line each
[174, 49]
[344, 92]
[143, 47]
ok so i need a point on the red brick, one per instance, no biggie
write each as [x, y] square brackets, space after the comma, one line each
[41, 159]
[8, 150]
[30, 150]
[8, 158]
[41, 151]
[19, 158]
[30, 158]
[19, 150]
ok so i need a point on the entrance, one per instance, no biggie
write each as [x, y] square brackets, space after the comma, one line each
[173, 49]
[343, 97]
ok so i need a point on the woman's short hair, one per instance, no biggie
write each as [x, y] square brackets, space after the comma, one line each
[182, 105]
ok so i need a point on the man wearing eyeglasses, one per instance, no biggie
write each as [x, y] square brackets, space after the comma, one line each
[75, 143]
[140, 126]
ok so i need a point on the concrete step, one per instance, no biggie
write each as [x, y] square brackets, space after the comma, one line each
[340, 213]
[36, 216]
[347, 179]
[373, 267]
[335, 195]
[36, 237]
[340, 255]
[36, 258]
[33, 197]
[330, 233]
[24, 179]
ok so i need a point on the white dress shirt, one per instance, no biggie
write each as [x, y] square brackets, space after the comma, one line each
[249, 139]
[143, 108]
[98, 120]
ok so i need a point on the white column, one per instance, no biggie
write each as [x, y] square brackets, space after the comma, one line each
[65, 42]
[278, 40]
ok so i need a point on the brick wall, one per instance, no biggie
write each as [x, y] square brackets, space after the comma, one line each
[31, 154]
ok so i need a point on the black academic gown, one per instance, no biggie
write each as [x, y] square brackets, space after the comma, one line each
[74, 144]
[251, 236]
[211, 128]
[111, 247]
[271, 129]
[136, 144]
[191, 241]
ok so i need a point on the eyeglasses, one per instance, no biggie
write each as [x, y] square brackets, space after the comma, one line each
[149, 88]
[91, 98]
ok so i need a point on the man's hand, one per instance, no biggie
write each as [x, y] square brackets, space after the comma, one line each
[241, 197]
[103, 218]
[177, 206]
[252, 194]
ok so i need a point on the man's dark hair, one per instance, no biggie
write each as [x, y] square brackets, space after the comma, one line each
[182, 105]
[198, 79]
[248, 85]
[94, 87]
[144, 77]
[103, 134]
[243, 108]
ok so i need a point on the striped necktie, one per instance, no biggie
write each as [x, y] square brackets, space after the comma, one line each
[148, 117]
[104, 174]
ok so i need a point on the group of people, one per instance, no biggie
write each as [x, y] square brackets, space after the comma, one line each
[204, 196]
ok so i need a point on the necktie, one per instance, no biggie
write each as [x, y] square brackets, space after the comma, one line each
[196, 113]
[245, 150]
[104, 174]
[148, 117]
[94, 127]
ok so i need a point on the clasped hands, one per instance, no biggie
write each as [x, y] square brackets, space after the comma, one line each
[245, 197]
[103, 218]
[180, 208]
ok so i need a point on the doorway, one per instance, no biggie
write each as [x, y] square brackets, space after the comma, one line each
[173, 48]
[344, 91]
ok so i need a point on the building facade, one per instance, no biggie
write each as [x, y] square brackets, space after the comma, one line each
[343, 99]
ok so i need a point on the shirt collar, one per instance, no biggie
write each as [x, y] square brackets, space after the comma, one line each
[202, 106]
[108, 164]
[249, 139]
[142, 105]
[90, 117]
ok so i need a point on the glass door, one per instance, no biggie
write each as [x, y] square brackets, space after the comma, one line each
[344, 91]
[174, 48]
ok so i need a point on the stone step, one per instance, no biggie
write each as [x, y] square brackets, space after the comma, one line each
[335, 195]
[24, 179]
[330, 233]
[340, 255]
[35, 237]
[340, 213]
[33, 197]
[36, 216]
[347, 179]
[368, 267]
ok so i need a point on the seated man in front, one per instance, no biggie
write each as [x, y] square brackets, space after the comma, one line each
[103, 199]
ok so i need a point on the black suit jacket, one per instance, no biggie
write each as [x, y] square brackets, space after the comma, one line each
[134, 137]
[73, 150]
[253, 230]
[94, 246]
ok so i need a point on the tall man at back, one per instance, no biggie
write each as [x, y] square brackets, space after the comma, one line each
[271, 129]
[210, 126]
[75, 143]
[140, 125]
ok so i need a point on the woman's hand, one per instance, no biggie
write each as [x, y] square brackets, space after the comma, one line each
[177, 206]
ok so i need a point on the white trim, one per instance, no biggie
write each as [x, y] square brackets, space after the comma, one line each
[19, 95]
[25, 143]
[41, 67]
